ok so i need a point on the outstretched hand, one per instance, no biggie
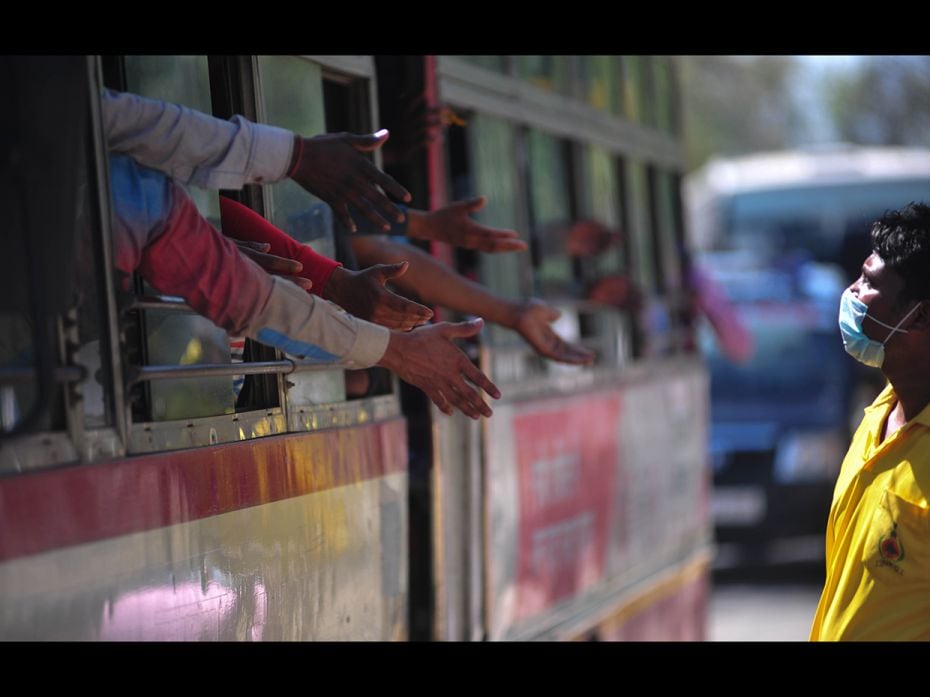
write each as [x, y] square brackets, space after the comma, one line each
[333, 167]
[273, 264]
[453, 224]
[363, 294]
[426, 358]
[533, 323]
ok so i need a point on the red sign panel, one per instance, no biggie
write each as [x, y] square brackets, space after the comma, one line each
[567, 465]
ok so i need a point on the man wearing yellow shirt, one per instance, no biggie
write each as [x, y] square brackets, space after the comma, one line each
[878, 533]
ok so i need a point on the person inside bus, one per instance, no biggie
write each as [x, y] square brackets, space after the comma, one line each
[411, 269]
[878, 530]
[159, 233]
[204, 151]
[364, 293]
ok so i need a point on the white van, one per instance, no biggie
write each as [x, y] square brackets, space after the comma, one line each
[819, 201]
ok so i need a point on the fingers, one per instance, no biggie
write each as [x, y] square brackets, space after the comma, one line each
[341, 211]
[575, 355]
[403, 315]
[257, 246]
[473, 204]
[466, 399]
[480, 379]
[439, 399]
[504, 245]
[360, 195]
[389, 271]
[560, 350]
[488, 239]
[304, 283]
[463, 330]
[367, 142]
[371, 177]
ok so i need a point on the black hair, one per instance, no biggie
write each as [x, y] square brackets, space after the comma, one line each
[902, 239]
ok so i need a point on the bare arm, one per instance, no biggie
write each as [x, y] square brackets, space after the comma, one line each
[437, 284]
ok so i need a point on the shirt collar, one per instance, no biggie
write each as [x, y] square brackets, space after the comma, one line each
[887, 398]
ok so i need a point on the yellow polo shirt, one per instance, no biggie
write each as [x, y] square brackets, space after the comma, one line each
[878, 535]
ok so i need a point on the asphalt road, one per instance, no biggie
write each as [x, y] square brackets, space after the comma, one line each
[770, 603]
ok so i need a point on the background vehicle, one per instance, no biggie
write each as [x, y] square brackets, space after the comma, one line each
[784, 234]
[143, 501]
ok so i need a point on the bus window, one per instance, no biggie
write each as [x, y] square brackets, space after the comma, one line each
[183, 80]
[601, 80]
[601, 202]
[666, 117]
[638, 95]
[498, 64]
[666, 227]
[551, 73]
[291, 96]
[549, 180]
[173, 337]
[643, 242]
[493, 152]
[630, 85]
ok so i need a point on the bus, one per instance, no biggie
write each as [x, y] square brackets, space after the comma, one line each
[142, 499]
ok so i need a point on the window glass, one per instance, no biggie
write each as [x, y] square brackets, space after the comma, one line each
[546, 72]
[632, 87]
[550, 206]
[668, 235]
[665, 104]
[493, 148]
[602, 82]
[175, 338]
[641, 235]
[292, 93]
[496, 63]
[601, 202]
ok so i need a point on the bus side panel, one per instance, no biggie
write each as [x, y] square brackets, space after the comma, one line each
[672, 608]
[592, 495]
[291, 537]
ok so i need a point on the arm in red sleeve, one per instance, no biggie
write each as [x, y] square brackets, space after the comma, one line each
[242, 223]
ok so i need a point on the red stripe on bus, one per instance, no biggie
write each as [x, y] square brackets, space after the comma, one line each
[76, 505]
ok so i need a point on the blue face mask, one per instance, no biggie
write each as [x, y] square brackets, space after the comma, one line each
[865, 350]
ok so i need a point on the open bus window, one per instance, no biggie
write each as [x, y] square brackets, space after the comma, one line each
[292, 97]
[172, 337]
[551, 212]
[601, 202]
[493, 154]
[498, 64]
[601, 76]
[665, 106]
[635, 99]
[551, 73]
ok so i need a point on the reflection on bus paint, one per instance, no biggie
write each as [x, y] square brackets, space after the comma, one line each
[188, 611]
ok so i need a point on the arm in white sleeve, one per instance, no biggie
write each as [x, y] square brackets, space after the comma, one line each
[193, 147]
